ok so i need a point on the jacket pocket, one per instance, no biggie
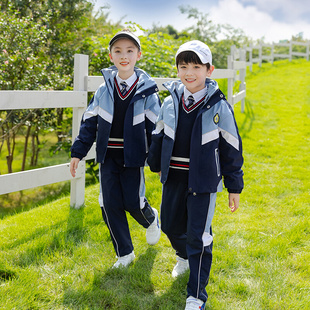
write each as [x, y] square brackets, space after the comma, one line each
[145, 141]
[217, 162]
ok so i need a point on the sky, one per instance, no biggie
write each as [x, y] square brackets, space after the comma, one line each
[271, 20]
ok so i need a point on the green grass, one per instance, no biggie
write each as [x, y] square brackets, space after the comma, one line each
[55, 257]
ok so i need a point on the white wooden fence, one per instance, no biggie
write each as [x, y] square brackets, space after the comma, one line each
[270, 52]
[77, 99]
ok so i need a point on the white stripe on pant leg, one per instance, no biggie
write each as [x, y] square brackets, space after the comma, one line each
[206, 237]
[197, 293]
[105, 212]
[142, 188]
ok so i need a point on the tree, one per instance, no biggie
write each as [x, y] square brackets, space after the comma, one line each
[38, 39]
[22, 57]
[36, 52]
[204, 29]
[169, 30]
[219, 37]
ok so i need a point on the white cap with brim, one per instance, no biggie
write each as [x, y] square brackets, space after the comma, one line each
[199, 48]
[127, 35]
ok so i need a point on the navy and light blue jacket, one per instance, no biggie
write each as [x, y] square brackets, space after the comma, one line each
[138, 125]
[215, 149]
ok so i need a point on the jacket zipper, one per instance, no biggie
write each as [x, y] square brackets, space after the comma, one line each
[217, 161]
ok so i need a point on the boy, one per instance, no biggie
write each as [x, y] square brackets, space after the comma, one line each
[195, 143]
[121, 117]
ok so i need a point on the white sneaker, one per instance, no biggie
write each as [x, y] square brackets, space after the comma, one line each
[180, 267]
[124, 261]
[193, 303]
[153, 231]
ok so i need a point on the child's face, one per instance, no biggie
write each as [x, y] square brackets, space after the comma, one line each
[124, 54]
[193, 76]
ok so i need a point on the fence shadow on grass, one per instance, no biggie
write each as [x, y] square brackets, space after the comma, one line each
[75, 230]
[57, 241]
[246, 126]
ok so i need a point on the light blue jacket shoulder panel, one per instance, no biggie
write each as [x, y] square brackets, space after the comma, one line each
[145, 95]
[216, 148]
[139, 120]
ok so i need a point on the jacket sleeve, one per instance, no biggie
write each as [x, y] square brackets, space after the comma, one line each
[154, 157]
[152, 108]
[230, 151]
[88, 131]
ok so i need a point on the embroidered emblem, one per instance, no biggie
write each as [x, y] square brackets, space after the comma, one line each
[216, 118]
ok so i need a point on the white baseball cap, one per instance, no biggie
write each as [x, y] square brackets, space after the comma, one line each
[199, 48]
[125, 34]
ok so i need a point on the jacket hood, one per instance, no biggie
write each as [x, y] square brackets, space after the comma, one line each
[145, 80]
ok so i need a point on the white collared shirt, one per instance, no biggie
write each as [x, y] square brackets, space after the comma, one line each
[197, 96]
[129, 81]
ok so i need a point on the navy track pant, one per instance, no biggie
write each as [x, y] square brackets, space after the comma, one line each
[186, 220]
[123, 189]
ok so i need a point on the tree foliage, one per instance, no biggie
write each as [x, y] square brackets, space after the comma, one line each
[36, 45]
[219, 37]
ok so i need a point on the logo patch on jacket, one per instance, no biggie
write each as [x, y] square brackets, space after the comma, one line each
[216, 118]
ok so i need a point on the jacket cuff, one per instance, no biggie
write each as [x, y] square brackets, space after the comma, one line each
[234, 191]
[77, 155]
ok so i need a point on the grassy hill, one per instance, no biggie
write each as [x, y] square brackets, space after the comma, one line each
[55, 257]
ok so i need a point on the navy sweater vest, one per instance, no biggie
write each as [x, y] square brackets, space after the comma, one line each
[116, 140]
[179, 164]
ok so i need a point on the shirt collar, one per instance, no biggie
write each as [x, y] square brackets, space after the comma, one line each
[197, 96]
[129, 81]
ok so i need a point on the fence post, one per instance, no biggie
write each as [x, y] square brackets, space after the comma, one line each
[260, 54]
[251, 57]
[230, 81]
[77, 190]
[232, 51]
[272, 53]
[242, 75]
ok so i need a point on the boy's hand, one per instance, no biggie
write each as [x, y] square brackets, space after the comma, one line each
[73, 165]
[159, 173]
[233, 201]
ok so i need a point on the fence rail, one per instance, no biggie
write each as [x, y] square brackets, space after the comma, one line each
[31, 99]
[271, 52]
[77, 99]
